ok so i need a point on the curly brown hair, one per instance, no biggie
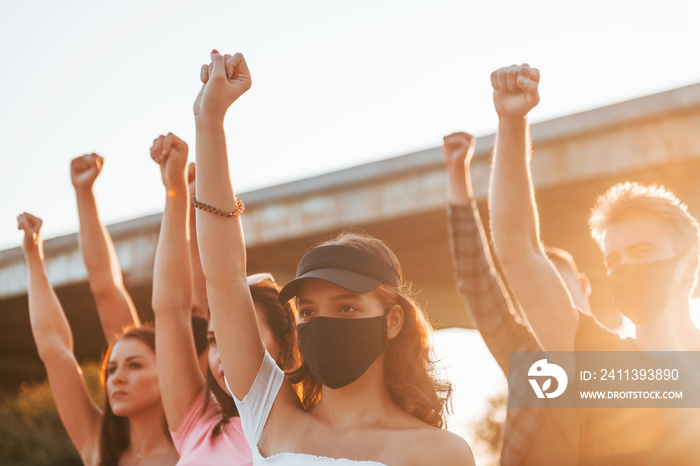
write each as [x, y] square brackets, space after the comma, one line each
[409, 371]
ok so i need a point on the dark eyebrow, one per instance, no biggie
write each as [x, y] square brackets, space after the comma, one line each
[136, 356]
[343, 297]
[339, 297]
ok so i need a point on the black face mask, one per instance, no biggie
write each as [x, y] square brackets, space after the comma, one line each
[199, 329]
[642, 291]
[338, 351]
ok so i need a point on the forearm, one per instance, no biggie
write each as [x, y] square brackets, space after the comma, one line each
[114, 305]
[491, 308]
[459, 186]
[200, 302]
[48, 322]
[214, 188]
[96, 246]
[178, 370]
[172, 274]
[223, 255]
[515, 229]
[513, 211]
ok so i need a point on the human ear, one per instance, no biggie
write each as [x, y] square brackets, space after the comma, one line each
[394, 320]
[585, 284]
[688, 267]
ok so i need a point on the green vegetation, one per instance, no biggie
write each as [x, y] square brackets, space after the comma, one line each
[31, 432]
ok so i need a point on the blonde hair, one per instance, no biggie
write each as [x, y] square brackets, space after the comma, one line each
[408, 368]
[629, 198]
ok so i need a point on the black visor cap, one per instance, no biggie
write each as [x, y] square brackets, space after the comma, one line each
[350, 268]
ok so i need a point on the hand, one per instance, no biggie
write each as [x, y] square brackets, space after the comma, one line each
[458, 150]
[32, 233]
[515, 90]
[85, 169]
[224, 80]
[170, 152]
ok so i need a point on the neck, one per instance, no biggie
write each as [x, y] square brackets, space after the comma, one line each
[672, 329]
[365, 401]
[147, 437]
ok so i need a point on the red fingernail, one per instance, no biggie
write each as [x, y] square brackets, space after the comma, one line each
[214, 51]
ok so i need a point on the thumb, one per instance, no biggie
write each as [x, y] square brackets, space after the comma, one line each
[219, 68]
[191, 172]
[527, 85]
[238, 64]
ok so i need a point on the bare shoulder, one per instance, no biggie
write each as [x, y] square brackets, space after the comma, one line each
[431, 445]
[449, 448]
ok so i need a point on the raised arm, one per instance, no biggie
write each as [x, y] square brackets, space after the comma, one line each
[200, 302]
[179, 375]
[514, 222]
[479, 283]
[54, 343]
[114, 305]
[220, 238]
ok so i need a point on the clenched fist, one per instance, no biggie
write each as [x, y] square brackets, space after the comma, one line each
[31, 225]
[224, 80]
[458, 150]
[85, 169]
[170, 152]
[515, 90]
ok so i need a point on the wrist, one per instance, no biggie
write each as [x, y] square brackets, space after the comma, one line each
[459, 190]
[205, 121]
[176, 189]
[83, 189]
[512, 120]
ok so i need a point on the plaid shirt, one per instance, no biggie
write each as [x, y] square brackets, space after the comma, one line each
[497, 319]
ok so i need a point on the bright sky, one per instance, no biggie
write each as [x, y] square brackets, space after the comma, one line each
[335, 84]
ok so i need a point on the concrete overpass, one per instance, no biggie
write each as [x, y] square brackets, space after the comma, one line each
[401, 200]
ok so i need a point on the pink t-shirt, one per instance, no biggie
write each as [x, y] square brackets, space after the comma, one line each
[193, 439]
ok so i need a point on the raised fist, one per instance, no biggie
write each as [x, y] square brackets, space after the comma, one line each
[458, 150]
[224, 80]
[32, 233]
[515, 90]
[170, 152]
[85, 169]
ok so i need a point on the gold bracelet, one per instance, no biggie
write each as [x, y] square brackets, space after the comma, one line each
[224, 213]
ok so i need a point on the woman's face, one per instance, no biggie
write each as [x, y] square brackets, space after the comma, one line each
[131, 377]
[320, 298]
[215, 365]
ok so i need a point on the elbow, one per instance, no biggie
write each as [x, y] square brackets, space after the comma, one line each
[104, 292]
[509, 249]
[178, 303]
[514, 253]
[50, 350]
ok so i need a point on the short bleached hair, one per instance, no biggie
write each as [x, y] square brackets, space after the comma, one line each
[628, 199]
